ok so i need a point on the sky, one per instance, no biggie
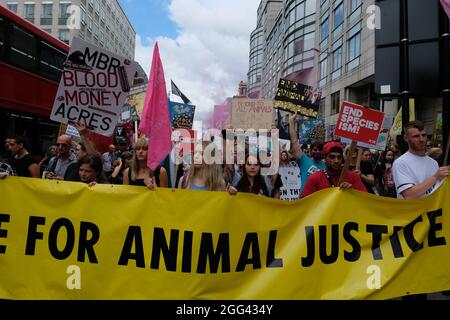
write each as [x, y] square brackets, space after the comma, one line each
[204, 44]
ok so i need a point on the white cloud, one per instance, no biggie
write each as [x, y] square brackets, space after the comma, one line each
[209, 57]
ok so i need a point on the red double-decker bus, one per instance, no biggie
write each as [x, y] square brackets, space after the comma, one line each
[31, 64]
[30, 68]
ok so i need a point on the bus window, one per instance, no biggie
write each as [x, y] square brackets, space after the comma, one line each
[51, 62]
[2, 38]
[23, 49]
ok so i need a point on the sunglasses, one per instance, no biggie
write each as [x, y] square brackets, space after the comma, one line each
[61, 144]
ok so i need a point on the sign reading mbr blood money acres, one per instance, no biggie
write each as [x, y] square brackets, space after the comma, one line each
[359, 123]
[93, 87]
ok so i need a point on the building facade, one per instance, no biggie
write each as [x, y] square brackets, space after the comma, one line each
[268, 11]
[346, 58]
[283, 46]
[321, 43]
[101, 22]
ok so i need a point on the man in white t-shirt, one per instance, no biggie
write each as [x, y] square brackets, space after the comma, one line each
[415, 174]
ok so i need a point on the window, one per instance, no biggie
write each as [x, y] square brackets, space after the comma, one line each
[324, 29]
[335, 103]
[323, 71]
[354, 46]
[89, 24]
[300, 11]
[83, 16]
[63, 15]
[354, 4]
[28, 11]
[338, 15]
[324, 4]
[23, 49]
[355, 9]
[322, 108]
[64, 35]
[337, 59]
[309, 39]
[51, 61]
[2, 38]
[46, 14]
[12, 6]
[310, 7]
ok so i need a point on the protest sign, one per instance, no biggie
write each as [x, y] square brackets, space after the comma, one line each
[252, 113]
[292, 181]
[72, 131]
[310, 130]
[296, 97]
[285, 145]
[93, 87]
[121, 136]
[358, 123]
[181, 115]
[382, 138]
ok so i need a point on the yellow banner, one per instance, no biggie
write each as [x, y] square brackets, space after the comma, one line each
[61, 240]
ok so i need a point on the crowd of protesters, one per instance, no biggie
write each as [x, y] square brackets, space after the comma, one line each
[300, 172]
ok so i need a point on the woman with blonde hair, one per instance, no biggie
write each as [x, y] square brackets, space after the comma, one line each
[138, 174]
[203, 176]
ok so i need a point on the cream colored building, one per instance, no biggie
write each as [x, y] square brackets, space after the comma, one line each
[101, 22]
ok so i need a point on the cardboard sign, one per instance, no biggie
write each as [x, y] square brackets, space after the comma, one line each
[93, 87]
[358, 123]
[252, 113]
[285, 145]
[72, 131]
[292, 181]
[296, 97]
[181, 115]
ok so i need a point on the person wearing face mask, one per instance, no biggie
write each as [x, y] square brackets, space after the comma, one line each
[388, 178]
[307, 165]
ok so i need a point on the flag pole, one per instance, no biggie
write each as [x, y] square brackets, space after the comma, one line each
[447, 148]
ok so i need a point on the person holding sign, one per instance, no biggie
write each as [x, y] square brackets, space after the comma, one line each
[307, 165]
[329, 177]
[416, 175]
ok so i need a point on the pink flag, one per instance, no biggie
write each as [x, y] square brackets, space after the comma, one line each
[446, 6]
[155, 120]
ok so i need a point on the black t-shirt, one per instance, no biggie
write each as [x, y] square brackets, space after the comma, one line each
[21, 165]
[72, 172]
[366, 168]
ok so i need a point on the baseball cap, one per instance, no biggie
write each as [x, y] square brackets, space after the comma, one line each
[332, 146]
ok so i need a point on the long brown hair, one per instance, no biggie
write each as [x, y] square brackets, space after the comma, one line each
[258, 183]
[212, 173]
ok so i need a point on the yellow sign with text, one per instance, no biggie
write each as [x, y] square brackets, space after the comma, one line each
[61, 240]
